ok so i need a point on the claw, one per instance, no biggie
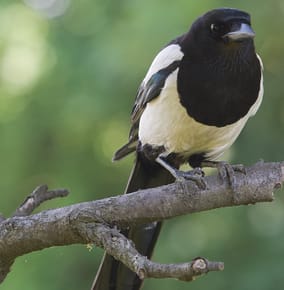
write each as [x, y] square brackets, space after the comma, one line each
[196, 175]
[227, 171]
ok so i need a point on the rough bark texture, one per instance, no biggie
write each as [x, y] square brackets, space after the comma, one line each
[95, 221]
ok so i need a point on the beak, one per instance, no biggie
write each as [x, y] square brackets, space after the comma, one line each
[242, 31]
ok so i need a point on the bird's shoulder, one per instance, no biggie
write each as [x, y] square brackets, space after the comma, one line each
[166, 62]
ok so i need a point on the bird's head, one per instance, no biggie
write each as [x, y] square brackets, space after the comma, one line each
[223, 28]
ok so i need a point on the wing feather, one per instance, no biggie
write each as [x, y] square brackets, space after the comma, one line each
[163, 65]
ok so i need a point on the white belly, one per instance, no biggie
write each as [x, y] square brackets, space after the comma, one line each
[165, 122]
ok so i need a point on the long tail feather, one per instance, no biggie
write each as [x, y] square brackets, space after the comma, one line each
[113, 275]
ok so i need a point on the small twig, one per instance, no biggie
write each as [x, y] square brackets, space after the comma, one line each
[183, 271]
[37, 197]
[123, 250]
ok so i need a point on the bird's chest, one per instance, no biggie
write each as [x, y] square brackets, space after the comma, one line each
[165, 122]
[218, 95]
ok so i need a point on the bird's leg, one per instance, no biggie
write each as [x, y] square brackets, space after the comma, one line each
[196, 175]
[226, 171]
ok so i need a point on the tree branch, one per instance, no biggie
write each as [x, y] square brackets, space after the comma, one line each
[84, 223]
[123, 249]
[37, 197]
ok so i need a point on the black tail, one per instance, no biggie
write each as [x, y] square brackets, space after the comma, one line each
[113, 275]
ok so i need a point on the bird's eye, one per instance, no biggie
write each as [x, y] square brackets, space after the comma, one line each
[216, 27]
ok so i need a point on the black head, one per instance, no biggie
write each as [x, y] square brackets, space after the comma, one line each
[220, 29]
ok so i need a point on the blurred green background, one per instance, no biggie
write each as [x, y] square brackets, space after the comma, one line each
[69, 71]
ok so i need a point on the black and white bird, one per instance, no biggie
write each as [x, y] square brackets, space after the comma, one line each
[193, 103]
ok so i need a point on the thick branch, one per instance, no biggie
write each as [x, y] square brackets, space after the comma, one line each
[68, 225]
[177, 199]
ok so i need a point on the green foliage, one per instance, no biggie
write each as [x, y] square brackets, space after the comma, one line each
[67, 85]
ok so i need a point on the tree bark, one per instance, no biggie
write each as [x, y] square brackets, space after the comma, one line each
[97, 221]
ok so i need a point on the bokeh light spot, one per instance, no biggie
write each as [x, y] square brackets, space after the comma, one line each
[49, 8]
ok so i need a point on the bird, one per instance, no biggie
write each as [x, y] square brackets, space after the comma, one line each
[194, 101]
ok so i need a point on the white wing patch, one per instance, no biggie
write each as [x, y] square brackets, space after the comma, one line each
[164, 58]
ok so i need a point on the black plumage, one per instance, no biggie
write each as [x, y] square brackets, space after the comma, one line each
[234, 82]
[191, 106]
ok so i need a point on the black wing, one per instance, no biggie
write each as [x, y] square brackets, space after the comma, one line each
[147, 92]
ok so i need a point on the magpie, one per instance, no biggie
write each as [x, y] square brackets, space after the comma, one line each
[195, 99]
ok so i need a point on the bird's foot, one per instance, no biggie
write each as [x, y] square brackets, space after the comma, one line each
[227, 171]
[196, 175]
